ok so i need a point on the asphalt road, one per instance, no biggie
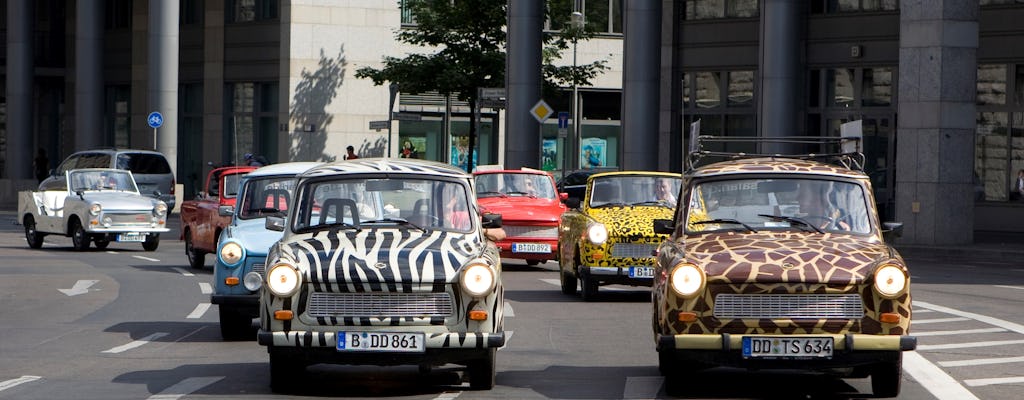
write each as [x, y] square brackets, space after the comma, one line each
[129, 324]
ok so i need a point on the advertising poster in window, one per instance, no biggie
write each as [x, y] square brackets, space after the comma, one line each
[549, 151]
[412, 147]
[592, 153]
[460, 152]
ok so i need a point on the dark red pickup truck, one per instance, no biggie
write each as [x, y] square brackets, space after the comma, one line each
[204, 217]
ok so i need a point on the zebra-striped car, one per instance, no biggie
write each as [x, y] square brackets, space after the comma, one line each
[382, 262]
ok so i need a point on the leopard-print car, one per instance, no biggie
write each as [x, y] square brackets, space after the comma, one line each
[778, 263]
[607, 238]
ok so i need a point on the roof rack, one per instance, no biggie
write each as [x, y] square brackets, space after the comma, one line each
[844, 150]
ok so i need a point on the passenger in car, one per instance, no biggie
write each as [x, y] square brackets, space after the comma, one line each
[816, 208]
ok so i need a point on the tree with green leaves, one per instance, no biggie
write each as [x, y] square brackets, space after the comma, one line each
[468, 40]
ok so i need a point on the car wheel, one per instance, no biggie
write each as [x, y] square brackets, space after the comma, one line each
[235, 325]
[79, 239]
[152, 242]
[482, 372]
[32, 236]
[568, 282]
[196, 258]
[285, 371]
[589, 288]
[532, 263]
[101, 243]
[886, 378]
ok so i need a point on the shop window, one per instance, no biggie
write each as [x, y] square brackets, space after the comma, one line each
[877, 87]
[251, 10]
[840, 87]
[708, 89]
[686, 90]
[991, 155]
[741, 88]
[991, 84]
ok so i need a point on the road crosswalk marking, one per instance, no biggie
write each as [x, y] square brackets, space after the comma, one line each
[994, 381]
[937, 320]
[958, 332]
[17, 381]
[981, 361]
[137, 343]
[185, 387]
[199, 311]
[934, 379]
[967, 345]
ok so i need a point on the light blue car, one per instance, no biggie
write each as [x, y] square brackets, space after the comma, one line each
[243, 244]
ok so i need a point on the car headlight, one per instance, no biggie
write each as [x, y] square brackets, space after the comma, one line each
[252, 281]
[95, 208]
[283, 280]
[890, 280]
[231, 253]
[477, 279]
[160, 209]
[597, 233]
[687, 280]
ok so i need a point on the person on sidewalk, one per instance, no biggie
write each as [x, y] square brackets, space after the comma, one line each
[351, 155]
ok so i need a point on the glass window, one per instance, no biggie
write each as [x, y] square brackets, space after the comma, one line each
[1017, 147]
[265, 196]
[742, 9]
[990, 154]
[1019, 82]
[877, 88]
[251, 10]
[814, 89]
[705, 9]
[118, 99]
[709, 90]
[596, 14]
[686, 90]
[840, 87]
[991, 84]
[741, 88]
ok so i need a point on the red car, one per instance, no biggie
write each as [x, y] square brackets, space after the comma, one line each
[529, 206]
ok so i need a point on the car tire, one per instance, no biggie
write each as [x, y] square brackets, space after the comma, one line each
[102, 243]
[235, 326]
[32, 236]
[588, 288]
[152, 242]
[196, 258]
[482, 372]
[532, 263]
[886, 378]
[285, 371]
[568, 282]
[79, 239]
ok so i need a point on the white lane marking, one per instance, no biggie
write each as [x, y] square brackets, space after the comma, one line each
[993, 381]
[927, 347]
[959, 332]
[978, 317]
[555, 282]
[199, 311]
[448, 395]
[642, 387]
[1011, 287]
[146, 258]
[17, 381]
[507, 310]
[205, 288]
[183, 272]
[112, 252]
[185, 387]
[137, 343]
[981, 361]
[936, 320]
[80, 287]
[932, 378]
[923, 310]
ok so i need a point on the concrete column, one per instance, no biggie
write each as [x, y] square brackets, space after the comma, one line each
[89, 75]
[163, 75]
[214, 136]
[780, 79]
[20, 76]
[935, 142]
[671, 131]
[640, 86]
[522, 132]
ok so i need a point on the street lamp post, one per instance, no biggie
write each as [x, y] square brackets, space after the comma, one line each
[577, 20]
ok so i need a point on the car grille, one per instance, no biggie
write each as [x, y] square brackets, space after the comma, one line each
[792, 306]
[531, 232]
[380, 305]
[134, 219]
[260, 268]
[633, 250]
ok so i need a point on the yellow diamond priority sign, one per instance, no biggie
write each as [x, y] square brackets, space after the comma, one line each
[541, 111]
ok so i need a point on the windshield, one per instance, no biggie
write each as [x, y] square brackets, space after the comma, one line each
[265, 196]
[231, 185]
[632, 190]
[105, 180]
[813, 205]
[408, 202]
[502, 185]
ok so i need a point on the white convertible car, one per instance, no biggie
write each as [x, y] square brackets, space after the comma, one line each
[99, 205]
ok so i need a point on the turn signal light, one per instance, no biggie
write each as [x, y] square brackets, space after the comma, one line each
[283, 315]
[478, 315]
[231, 280]
[686, 316]
[890, 318]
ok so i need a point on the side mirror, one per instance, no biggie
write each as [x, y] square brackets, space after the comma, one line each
[225, 211]
[892, 229]
[572, 202]
[157, 193]
[664, 226]
[563, 196]
[274, 224]
[491, 221]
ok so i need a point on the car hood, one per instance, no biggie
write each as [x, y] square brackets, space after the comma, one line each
[787, 257]
[253, 235]
[120, 200]
[365, 260]
[523, 208]
[630, 221]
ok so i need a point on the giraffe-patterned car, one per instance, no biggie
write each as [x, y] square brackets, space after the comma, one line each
[382, 262]
[780, 263]
[607, 237]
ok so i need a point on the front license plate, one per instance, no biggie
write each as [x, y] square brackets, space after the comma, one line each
[131, 237]
[787, 347]
[531, 248]
[381, 341]
[641, 272]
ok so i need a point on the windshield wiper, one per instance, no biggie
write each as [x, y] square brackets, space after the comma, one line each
[500, 194]
[662, 203]
[400, 221]
[799, 221]
[725, 221]
[614, 204]
[333, 226]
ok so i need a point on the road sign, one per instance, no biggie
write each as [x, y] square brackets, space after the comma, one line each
[541, 111]
[492, 93]
[378, 125]
[155, 120]
[490, 103]
[563, 119]
[402, 116]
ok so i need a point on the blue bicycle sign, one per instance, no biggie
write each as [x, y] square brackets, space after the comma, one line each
[155, 120]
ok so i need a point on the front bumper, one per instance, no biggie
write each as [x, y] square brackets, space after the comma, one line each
[615, 275]
[505, 246]
[725, 350]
